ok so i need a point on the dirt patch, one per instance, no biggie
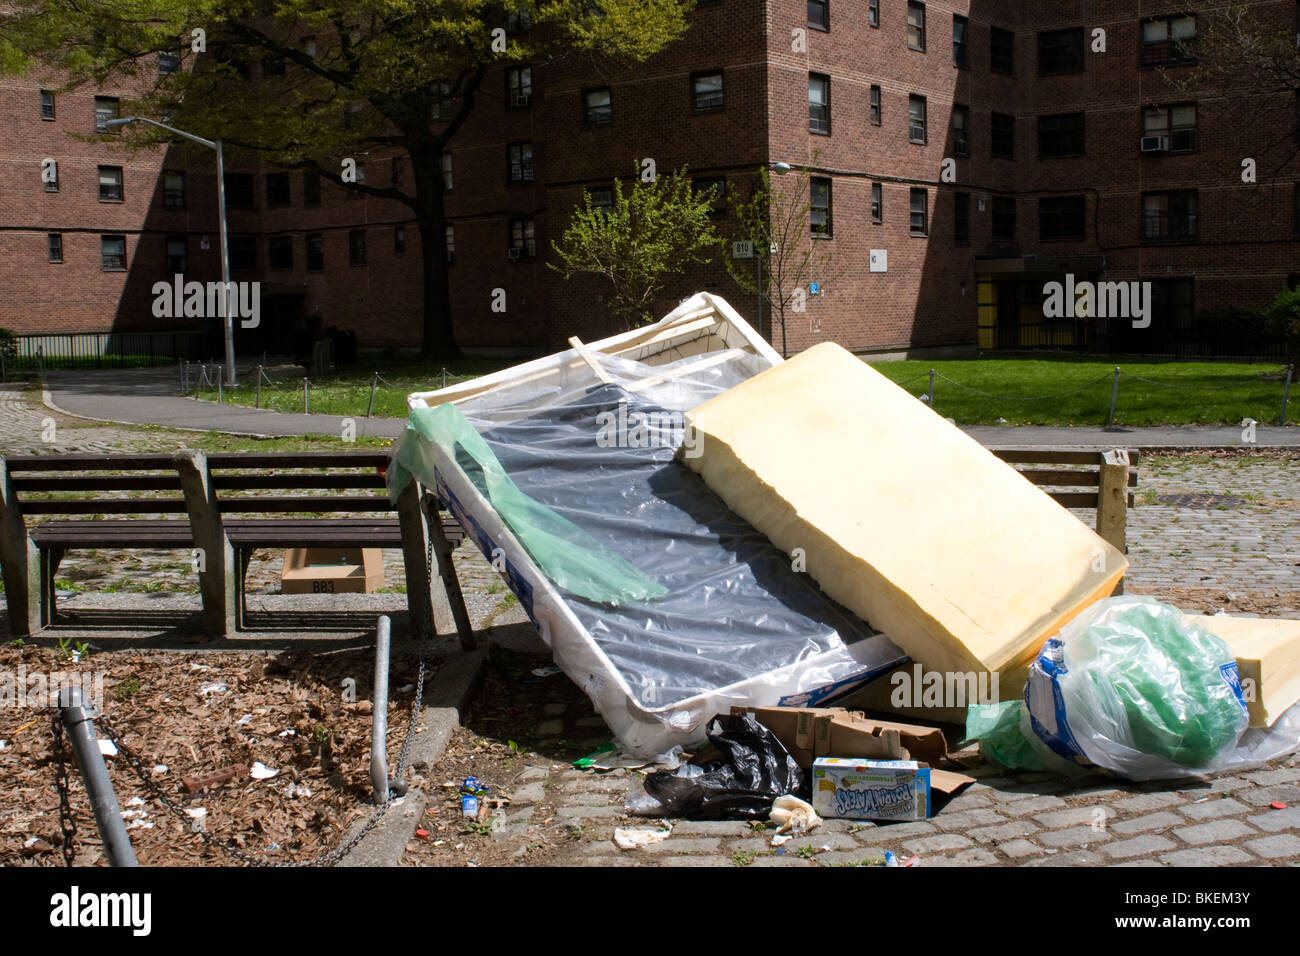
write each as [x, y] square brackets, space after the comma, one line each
[192, 714]
[1213, 600]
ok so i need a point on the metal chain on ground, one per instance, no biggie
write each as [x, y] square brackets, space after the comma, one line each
[1028, 398]
[1188, 388]
[380, 378]
[67, 825]
[914, 378]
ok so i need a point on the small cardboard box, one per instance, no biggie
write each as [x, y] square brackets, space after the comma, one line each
[332, 571]
[812, 732]
[871, 789]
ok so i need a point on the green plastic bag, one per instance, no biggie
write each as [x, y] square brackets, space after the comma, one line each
[569, 556]
[997, 728]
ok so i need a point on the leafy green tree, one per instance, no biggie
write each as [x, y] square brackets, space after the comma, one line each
[393, 77]
[777, 218]
[654, 229]
[1282, 316]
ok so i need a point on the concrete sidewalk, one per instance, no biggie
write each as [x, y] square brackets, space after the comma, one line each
[149, 397]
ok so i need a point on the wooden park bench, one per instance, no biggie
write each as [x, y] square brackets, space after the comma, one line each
[209, 502]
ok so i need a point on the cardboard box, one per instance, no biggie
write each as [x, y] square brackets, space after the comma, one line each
[332, 571]
[871, 789]
[812, 732]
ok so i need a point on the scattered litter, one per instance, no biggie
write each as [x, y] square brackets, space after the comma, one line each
[136, 815]
[202, 782]
[297, 790]
[635, 839]
[107, 747]
[1278, 805]
[422, 833]
[213, 687]
[406, 688]
[438, 843]
[890, 859]
[159, 769]
[791, 813]
[610, 757]
[261, 771]
[287, 733]
[3, 744]
[242, 721]
[547, 671]
[779, 838]
[470, 791]
[582, 763]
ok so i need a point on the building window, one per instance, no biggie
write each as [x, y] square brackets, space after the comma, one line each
[916, 125]
[56, 246]
[877, 203]
[960, 54]
[519, 87]
[50, 176]
[357, 247]
[521, 162]
[272, 66]
[602, 199]
[1169, 128]
[243, 253]
[1060, 135]
[279, 250]
[818, 15]
[1002, 50]
[1171, 303]
[168, 63]
[519, 22]
[916, 26]
[106, 108]
[1003, 140]
[239, 190]
[523, 243]
[112, 253]
[820, 203]
[597, 109]
[1169, 215]
[875, 106]
[1169, 40]
[311, 188]
[920, 212]
[178, 255]
[442, 101]
[450, 242]
[315, 252]
[277, 189]
[819, 103]
[714, 188]
[397, 172]
[1061, 217]
[1004, 218]
[873, 13]
[706, 91]
[47, 105]
[961, 217]
[352, 191]
[110, 183]
[399, 240]
[173, 189]
[1060, 51]
[447, 179]
[960, 130]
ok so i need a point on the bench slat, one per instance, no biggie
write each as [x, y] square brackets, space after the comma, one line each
[253, 482]
[299, 505]
[1048, 456]
[302, 459]
[1080, 499]
[89, 463]
[106, 506]
[1070, 479]
[102, 483]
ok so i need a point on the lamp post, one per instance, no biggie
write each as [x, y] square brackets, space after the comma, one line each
[228, 319]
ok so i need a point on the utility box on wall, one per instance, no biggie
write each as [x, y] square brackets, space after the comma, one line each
[332, 571]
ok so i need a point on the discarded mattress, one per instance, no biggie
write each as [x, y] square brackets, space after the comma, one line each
[1268, 657]
[901, 517]
[663, 605]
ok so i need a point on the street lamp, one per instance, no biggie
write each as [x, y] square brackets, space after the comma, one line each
[228, 319]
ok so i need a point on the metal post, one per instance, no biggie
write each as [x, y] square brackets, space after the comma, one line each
[221, 390]
[228, 305]
[1114, 395]
[305, 383]
[258, 402]
[379, 734]
[85, 745]
[931, 391]
[370, 408]
[40, 360]
[444, 378]
[1286, 393]
[2, 366]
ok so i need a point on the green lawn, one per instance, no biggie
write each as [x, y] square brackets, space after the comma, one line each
[1048, 391]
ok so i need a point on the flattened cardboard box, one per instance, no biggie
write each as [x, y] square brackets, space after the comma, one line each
[812, 732]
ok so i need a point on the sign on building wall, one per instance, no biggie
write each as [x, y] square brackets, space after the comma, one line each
[879, 260]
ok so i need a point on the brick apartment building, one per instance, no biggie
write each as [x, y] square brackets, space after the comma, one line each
[1064, 160]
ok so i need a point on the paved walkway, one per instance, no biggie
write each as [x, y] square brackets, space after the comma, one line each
[149, 397]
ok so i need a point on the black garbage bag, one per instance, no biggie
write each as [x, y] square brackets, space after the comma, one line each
[755, 770]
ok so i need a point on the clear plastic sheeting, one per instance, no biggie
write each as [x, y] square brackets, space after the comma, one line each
[592, 441]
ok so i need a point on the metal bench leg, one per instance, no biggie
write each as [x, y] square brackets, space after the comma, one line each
[447, 571]
[21, 562]
[420, 600]
[216, 580]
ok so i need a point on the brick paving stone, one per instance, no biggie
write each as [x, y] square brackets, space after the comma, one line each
[683, 845]
[975, 856]
[1019, 849]
[1152, 821]
[607, 861]
[787, 859]
[896, 831]
[1217, 785]
[1207, 856]
[967, 800]
[1218, 831]
[1268, 777]
[1003, 831]
[836, 841]
[1275, 820]
[1021, 791]
[529, 793]
[584, 813]
[1078, 858]
[549, 728]
[863, 856]
[1148, 801]
[1139, 846]
[593, 799]
[936, 844]
[1020, 808]
[1213, 809]
[722, 828]
[1075, 815]
[1139, 863]
[1276, 847]
[751, 845]
[1075, 836]
[980, 816]
[696, 861]
[1263, 796]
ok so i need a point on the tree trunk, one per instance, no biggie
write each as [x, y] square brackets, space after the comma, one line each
[438, 342]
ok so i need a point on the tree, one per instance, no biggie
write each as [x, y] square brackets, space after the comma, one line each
[394, 77]
[653, 230]
[777, 219]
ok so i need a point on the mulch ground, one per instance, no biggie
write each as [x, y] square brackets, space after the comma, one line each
[194, 714]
